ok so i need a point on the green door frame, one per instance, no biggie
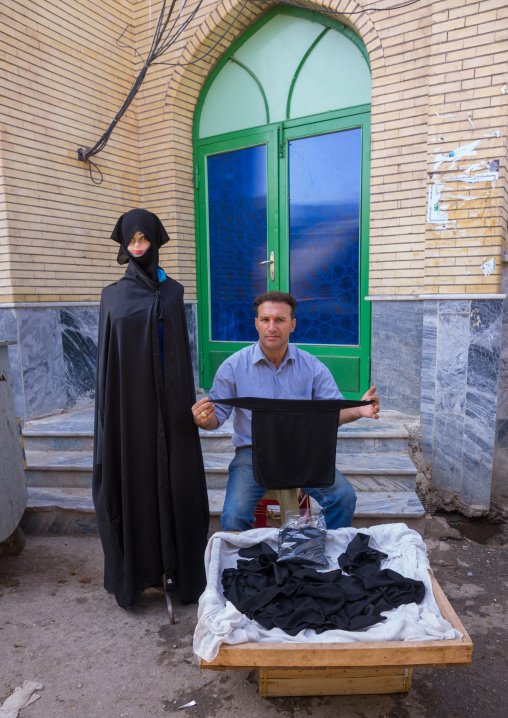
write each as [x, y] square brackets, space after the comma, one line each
[209, 361]
[352, 364]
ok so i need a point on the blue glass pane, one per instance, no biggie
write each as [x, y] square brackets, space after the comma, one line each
[324, 225]
[237, 232]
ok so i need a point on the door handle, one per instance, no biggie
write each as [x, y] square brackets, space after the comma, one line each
[271, 262]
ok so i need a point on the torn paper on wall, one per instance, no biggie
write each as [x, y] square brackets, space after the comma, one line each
[435, 213]
[489, 267]
[474, 179]
[455, 155]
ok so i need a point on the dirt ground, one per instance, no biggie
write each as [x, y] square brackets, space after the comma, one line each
[58, 626]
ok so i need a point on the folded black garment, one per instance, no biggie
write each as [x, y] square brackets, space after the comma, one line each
[288, 596]
[360, 560]
[294, 441]
[304, 545]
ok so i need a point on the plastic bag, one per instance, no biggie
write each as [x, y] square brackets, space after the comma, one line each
[302, 539]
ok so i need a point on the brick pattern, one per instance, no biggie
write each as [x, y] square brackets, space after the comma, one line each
[62, 79]
[63, 86]
[467, 109]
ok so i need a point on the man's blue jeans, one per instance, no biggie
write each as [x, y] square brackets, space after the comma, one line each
[338, 501]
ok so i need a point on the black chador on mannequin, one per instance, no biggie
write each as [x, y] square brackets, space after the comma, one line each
[149, 484]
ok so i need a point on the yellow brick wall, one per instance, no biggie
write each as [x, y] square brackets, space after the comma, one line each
[64, 85]
[62, 79]
[467, 105]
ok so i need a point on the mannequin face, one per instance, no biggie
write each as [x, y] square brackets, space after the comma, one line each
[138, 245]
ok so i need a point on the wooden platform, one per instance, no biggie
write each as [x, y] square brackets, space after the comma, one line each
[312, 669]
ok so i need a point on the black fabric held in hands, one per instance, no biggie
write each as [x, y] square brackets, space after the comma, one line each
[287, 596]
[360, 560]
[294, 441]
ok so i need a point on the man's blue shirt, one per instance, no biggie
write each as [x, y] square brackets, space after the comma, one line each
[249, 373]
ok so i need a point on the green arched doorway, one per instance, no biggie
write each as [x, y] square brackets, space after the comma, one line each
[282, 157]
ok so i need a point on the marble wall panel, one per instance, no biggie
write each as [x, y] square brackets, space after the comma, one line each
[504, 341]
[500, 472]
[500, 468]
[53, 364]
[397, 354]
[502, 433]
[460, 376]
[452, 348]
[42, 360]
[428, 382]
[502, 395]
[8, 325]
[79, 343]
[448, 451]
[481, 401]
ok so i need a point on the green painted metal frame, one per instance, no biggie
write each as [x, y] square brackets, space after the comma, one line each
[341, 359]
[298, 69]
[279, 10]
[210, 360]
[256, 80]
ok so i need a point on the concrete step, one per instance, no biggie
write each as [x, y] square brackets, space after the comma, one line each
[73, 431]
[64, 511]
[367, 472]
[71, 469]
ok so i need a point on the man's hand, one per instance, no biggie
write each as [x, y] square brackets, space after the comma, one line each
[369, 412]
[372, 410]
[204, 416]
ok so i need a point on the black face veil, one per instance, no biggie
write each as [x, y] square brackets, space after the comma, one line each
[140, 220]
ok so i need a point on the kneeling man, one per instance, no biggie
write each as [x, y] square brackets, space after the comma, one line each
[274, 369]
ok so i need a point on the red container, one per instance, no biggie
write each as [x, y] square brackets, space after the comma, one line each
[261, 510]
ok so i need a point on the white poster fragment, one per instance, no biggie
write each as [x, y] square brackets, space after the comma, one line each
[491, 175]
[455, 155]
[436, 214]
[489, 267]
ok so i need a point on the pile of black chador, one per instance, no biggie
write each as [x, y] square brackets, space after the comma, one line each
[292, 595]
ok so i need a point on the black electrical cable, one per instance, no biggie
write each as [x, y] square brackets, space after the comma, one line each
[198, 59]
[162, 41]
[84, 154]
[367, 9]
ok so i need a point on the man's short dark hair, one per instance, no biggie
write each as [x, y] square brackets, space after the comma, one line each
[276, 297]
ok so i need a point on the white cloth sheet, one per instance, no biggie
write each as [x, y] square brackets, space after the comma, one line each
[220, 622]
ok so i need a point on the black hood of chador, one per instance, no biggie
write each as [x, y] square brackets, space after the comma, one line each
[140, 220]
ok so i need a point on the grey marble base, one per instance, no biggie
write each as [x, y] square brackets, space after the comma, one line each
[500, 467]
[53, 363]
[397, 354]
[459, 388]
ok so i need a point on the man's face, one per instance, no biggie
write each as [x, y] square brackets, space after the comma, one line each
[274, 325]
